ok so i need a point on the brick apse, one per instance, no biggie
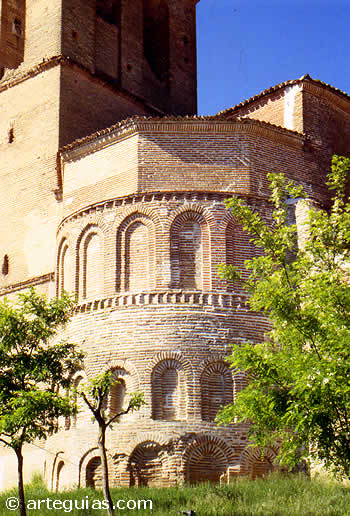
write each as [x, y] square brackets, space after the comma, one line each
[128, 213]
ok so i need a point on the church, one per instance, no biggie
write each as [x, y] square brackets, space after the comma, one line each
[113, 189]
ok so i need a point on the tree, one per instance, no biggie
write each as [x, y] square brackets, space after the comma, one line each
[299, 390]
[95, 395]
[32, 369]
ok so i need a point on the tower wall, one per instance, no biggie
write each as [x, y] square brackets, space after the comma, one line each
[60, 85]
[28, 146]
[124, 50]
[12, 33]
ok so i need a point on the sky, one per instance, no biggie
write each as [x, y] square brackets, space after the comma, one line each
[247, 46]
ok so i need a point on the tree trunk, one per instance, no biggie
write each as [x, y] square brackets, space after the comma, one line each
[104, 464]
[22, 504]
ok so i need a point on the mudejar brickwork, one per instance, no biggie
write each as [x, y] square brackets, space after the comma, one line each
[113, 188]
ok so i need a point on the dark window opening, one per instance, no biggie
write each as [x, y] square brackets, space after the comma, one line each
[5, 265]
[11, 135]
[109, 11]
[156, 36]
[17, 27]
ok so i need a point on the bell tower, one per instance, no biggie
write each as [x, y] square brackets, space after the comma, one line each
[146, 48]
[69, 68]
[12, 33]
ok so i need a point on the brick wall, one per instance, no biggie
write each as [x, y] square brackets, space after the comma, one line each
[28, 176]
[283, 107]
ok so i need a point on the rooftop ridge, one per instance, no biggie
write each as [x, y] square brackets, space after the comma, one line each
[285, 84]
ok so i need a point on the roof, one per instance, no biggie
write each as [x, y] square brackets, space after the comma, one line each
[138, 123]
[282, 85]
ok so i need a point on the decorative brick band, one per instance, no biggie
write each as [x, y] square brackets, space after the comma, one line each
[32, 282]
[168, 297]
[190, 197]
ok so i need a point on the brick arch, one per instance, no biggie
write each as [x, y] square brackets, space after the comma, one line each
[92, 219]
[58, 458]
[217, 389]
[227, 219]
[191, 207]
[135, 250]
[94, 285]
[145, 464]
[142, 210]
[133, 380]
[116, 402]
[59, 468]
[240, 378]
[93, 473]
[159, 437]
[187, 214]
[169, 391]
[168, 355]
[252, 463]
[87, 457]
[190, 251]
[211, 359]
[117, 396]
[64, 269]
[238, 248]
[83, 415]
[206, 458]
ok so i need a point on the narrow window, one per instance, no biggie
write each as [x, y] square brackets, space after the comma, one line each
[156, 36]
[64, 270]
[17, 27]
[11, 135]
[109, 11]
[5, 265]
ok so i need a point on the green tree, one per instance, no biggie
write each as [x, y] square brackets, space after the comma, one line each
[32, 370]
[95, 394]
[299, 390]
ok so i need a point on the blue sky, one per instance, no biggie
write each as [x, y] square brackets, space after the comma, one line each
[247, 46]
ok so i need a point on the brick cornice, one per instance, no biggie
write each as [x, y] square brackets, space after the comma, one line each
[171, 125]
[182, 298]
[23, 73]
[32, 282]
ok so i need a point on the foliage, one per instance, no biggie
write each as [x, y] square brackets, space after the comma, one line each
[95, 394]
[299, 390]
[288, 495]
[32, 370]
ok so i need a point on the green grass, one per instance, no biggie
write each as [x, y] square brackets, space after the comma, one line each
[276, 495]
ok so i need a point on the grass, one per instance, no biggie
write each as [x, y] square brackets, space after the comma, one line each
[276, 495]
